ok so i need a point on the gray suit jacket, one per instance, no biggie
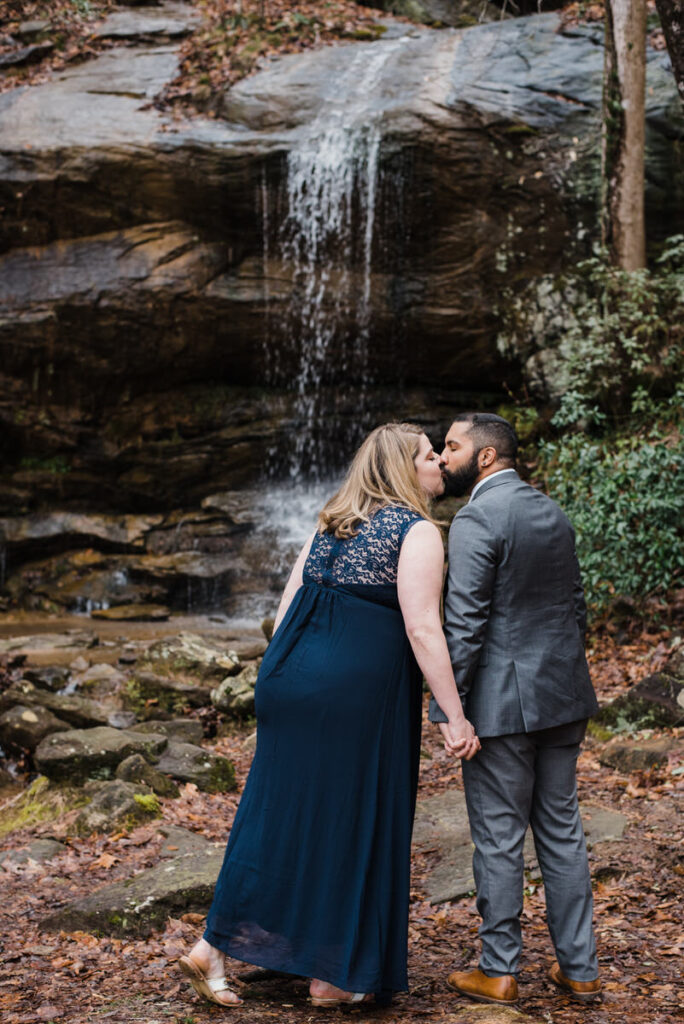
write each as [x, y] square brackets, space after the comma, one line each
[514, 612]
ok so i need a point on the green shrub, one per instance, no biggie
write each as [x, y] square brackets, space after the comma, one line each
[624, 495]
[616, 465]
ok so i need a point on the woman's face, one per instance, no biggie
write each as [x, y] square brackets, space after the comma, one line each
[428, 468]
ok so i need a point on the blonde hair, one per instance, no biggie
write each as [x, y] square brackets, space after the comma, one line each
[382, 472]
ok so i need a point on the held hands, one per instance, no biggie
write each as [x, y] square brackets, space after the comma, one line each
[460, 739]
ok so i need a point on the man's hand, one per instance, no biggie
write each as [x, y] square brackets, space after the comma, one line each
[460, 739]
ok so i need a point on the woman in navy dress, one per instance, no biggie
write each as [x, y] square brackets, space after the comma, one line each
[315, 880]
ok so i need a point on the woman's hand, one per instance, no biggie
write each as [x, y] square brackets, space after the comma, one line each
[460, 739]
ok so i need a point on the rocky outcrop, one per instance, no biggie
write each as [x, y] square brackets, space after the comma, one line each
[82, 753]
[208, 771]
[140, 904]
[149, 294]
[115, 805]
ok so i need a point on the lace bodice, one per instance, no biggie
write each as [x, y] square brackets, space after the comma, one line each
[370, 558]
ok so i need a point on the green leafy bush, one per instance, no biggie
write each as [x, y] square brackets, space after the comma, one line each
[616, 465]
[625, 498]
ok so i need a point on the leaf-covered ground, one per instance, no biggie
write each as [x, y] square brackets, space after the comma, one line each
[82, 978]
[233, 39]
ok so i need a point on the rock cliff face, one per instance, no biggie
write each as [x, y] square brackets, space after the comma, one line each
[155, 308]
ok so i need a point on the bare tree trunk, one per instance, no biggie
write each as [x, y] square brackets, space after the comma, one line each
[624, 89]
[672, 20]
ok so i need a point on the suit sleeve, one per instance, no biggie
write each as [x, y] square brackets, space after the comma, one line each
[473, 560]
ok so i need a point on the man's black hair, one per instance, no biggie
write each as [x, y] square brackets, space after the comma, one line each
[488, 429]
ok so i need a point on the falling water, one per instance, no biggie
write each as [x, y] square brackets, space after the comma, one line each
[327, 240]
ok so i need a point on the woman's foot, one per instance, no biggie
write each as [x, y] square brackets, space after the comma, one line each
[324, 994]
[205, 968]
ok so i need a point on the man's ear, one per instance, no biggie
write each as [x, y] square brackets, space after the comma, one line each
[487, 457]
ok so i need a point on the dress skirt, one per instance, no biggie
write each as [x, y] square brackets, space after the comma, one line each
[315, 880]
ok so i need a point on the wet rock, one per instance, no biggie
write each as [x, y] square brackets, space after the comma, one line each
[82, 753]
[22, 728]
[627, 755]
[136, 769]
[39, 851]
[155, 693]
[442, 823]
[32, 533]
[236, 506]
[185, 730]
[235, 694]
[122, 719]
[79, 712]
[210, 772]
[117, 805]
[143, 903]
[45, 642]
[51, 677]
[133, 613]
[191, 653]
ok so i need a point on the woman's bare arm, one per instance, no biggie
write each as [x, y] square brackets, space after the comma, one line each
[419, 583]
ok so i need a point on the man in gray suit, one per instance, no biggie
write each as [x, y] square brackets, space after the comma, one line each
[515, 619]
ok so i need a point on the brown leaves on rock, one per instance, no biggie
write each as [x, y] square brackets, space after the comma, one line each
[69, 28]
[238, 37]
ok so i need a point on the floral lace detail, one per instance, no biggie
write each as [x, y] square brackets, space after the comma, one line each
[371, 557]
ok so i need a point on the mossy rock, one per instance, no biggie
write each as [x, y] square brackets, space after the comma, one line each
[140, 904]
[80, 754]
[208, 771]
[42, 802]
[657, 702]
[118, 805]
[163, 693]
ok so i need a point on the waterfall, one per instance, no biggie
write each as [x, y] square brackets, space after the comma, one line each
[326, 240]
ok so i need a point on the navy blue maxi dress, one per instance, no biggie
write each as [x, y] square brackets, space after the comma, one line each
[315, 880]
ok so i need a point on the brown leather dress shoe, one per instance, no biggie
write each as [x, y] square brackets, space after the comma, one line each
[484, 989]
[581, 991]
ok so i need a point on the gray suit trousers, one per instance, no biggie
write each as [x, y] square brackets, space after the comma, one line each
[516, 780]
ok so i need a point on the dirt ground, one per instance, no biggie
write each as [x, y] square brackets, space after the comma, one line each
[82, 978]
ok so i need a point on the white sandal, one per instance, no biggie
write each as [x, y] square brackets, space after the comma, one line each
[207, 987]
[356, 997]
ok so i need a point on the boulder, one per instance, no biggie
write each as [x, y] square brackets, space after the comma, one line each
[45, 642]
[136, 769]
[627, 755]
[116, 805]
[39, 851]
[185, 730]
[93, 753]
[79, 712]
[210, 772]
[100, 680]
[141, 904]
[49, 677]
[22, 728]
[178, 842]
[235, 694]
[657, 702]
[195, 654]
[147, 691]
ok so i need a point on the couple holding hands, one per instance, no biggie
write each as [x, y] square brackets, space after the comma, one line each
[315, 880]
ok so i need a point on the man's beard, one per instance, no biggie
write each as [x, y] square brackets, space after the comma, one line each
[459, 481]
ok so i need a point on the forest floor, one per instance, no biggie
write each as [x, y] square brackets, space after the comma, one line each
[81, 978]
